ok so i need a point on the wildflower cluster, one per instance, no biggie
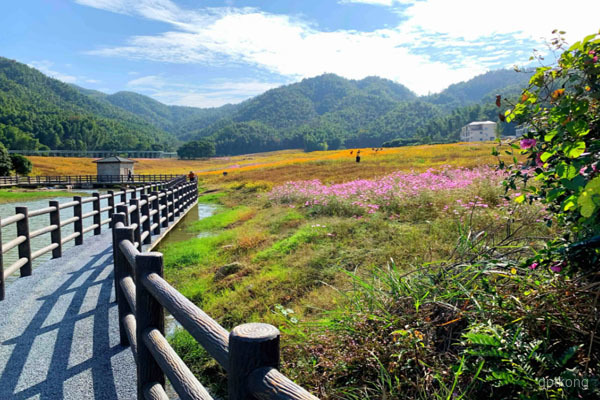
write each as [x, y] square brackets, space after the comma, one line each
[368, 196]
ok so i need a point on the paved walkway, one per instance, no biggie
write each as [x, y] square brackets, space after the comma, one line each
[59, 333]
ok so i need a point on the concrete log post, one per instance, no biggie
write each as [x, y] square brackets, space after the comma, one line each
[150, 315]
[164, 214]
[145, 212]
[135, 218]
[156, 216]
[121, 271]
[97, 217]
[78, 225]
[56, 235]
[251, 346]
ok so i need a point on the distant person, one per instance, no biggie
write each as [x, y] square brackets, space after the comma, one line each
[191, 176]
[129, 175]
[357, 158]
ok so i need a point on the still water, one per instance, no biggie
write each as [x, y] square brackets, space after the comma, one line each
[10, 232]
[181, 231]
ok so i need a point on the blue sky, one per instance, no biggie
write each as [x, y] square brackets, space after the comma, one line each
[207, 53]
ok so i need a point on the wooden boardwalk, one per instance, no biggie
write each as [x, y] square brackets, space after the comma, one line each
[59, 334]
[68, 331]
[59, 330]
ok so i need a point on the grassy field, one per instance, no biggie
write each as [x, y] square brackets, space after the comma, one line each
[399, 277]
[17, 195]
[284, 165]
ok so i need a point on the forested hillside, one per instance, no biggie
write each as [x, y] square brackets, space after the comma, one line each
[38, 112]
[173, 119]
[324, 112]
[329, 112]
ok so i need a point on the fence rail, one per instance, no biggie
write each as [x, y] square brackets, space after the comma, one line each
[249, 353]
[173, 187]
[96, 153]
[84, 179]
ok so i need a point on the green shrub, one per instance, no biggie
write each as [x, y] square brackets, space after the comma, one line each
[5, 161]
[561, 108]
[21, 164]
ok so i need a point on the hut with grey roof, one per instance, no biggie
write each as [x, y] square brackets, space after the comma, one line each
[113, 166]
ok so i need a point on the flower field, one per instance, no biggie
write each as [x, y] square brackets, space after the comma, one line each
[282, 166]
[386, 194]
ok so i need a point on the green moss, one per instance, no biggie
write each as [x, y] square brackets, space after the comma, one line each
[212, 198]
[305, 234]
[198, 251]
[220, 220]
[290, 219]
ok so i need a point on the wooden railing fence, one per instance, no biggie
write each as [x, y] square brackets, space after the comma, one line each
[173, 188]
[249, 353]
[82, 179]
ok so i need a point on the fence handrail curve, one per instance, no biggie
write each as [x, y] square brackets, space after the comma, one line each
[146, 184]
[249, 353]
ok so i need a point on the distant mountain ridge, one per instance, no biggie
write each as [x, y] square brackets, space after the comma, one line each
[326, 111]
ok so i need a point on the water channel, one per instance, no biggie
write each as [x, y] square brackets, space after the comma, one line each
[10, 232]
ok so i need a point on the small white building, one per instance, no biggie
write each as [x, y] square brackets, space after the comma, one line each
[113, 166]
[478, 131]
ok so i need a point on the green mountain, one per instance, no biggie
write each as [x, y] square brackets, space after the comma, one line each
[173, 119]
[330, 112]
[484, 86]
[38, 112]
[326, 111]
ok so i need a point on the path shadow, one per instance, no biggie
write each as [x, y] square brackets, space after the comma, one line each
[67, 349]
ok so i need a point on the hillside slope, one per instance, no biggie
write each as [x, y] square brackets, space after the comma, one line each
[39, 112]
[326, 111]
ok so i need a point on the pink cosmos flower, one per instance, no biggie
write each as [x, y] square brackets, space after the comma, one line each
[534, 265]
[527, 143]
[557, 266]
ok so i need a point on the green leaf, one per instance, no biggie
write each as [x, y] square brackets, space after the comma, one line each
[568, 354]
[575, 46]
[589, 199]
[566, 171]
[574, 184]
[546, 155]
[573, 150]
[588, 38]
[554, 194]
[569, 203]
[482, 339]
[550, 135]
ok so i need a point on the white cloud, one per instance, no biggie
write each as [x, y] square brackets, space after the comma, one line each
[212, 94]
[374, 2]
[378, 2]
[471, 19]
[296, 49]
[150, 81]
[45, 66]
